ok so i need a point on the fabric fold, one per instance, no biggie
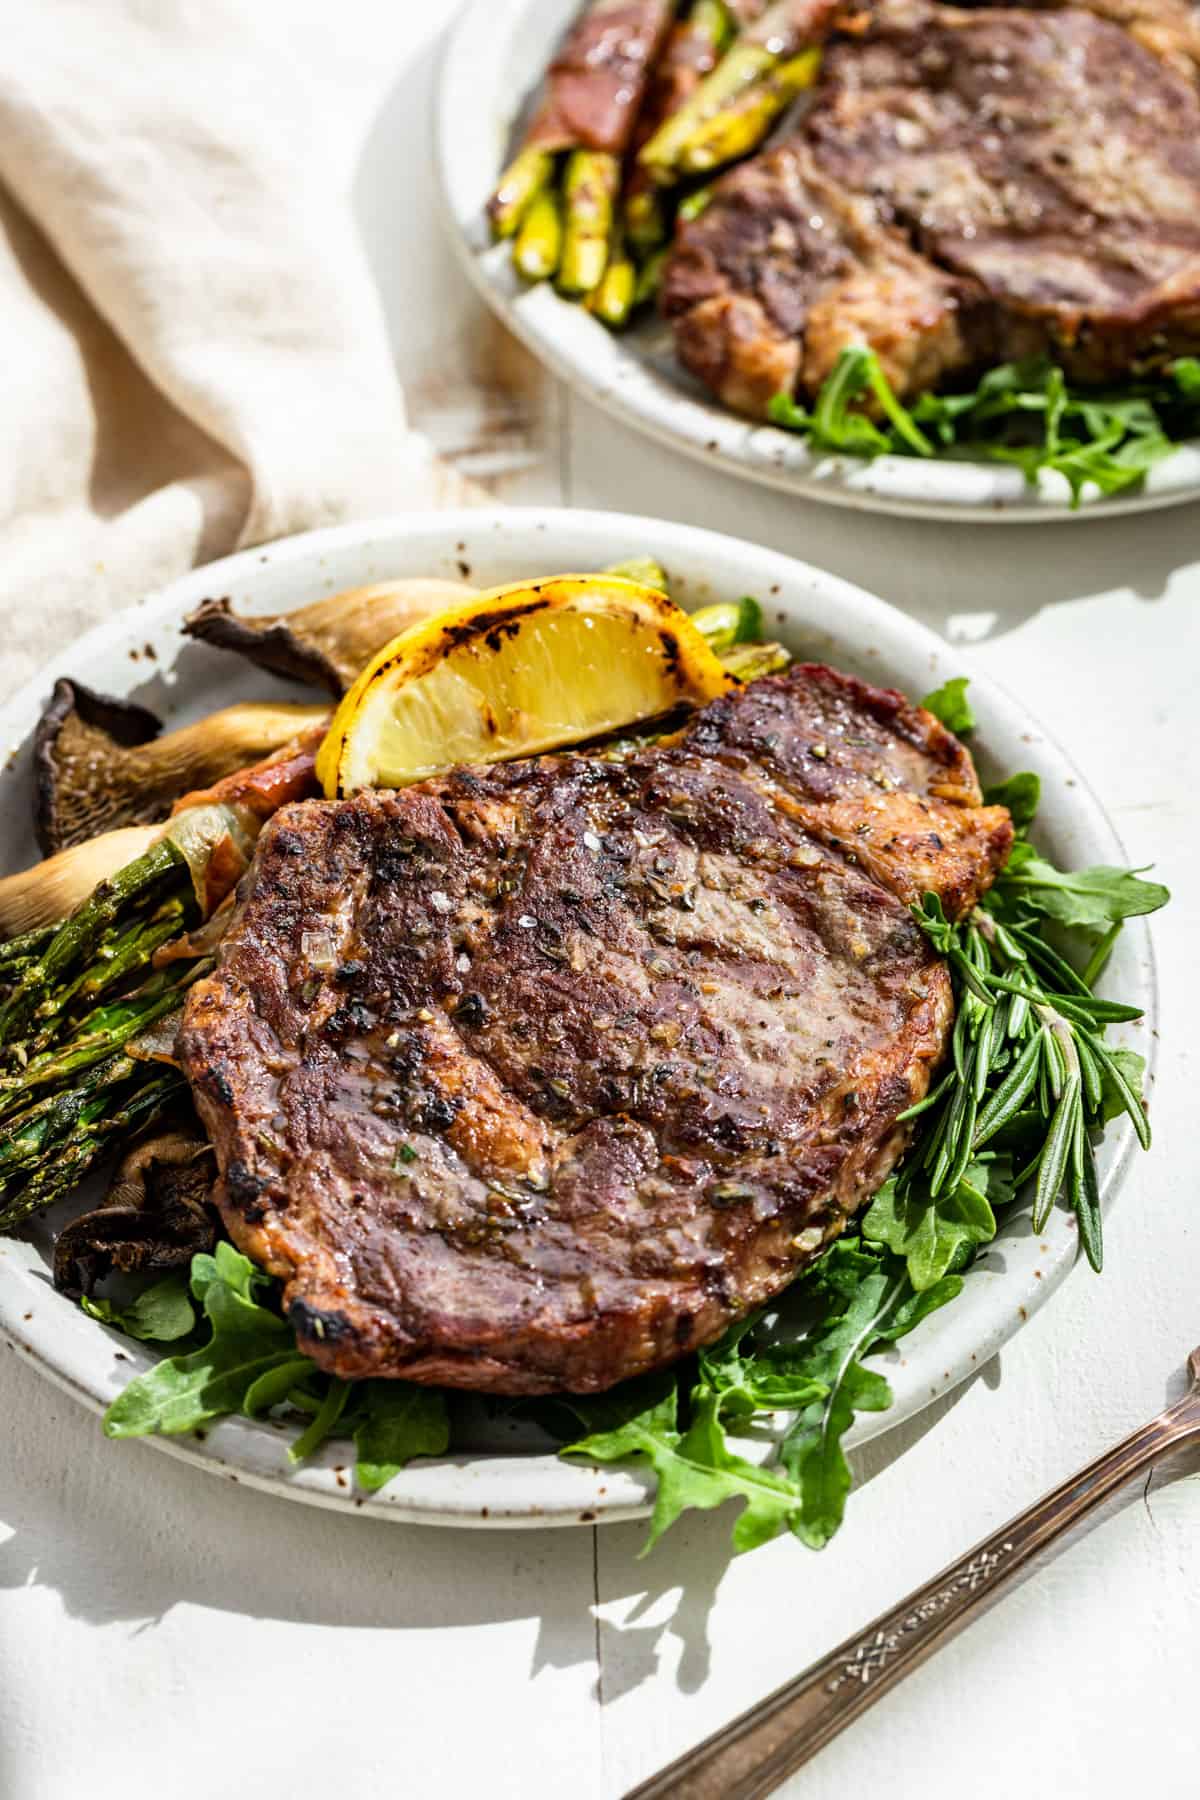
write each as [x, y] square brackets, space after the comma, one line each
[202, 358]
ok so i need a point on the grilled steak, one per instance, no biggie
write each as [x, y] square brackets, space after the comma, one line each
[969, 186]
[535, 1077]
[785, 268]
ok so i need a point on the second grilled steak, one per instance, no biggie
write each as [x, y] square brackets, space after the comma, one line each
[970, 186]
[535, 1077]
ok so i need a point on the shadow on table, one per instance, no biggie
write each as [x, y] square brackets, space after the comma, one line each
[124, 1534]
[130, 1550]
[690, 1563]
[1047, 565]
[688, 1566]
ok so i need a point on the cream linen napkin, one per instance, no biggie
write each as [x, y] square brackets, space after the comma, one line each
[194, 357]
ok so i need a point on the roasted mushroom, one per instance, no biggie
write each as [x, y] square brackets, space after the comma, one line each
[157, 1214]
[51, 890]
[100, 764]
[329, 643]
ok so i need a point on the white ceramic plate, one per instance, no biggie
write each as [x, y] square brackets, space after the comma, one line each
[496, 53]
[505, 1479]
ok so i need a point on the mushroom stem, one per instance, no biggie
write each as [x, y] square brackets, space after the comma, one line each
[199, 754]
[51, 889]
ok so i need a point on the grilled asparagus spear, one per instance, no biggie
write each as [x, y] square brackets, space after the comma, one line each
[743, 124]
[612, 301]
[590, 101]
[538, 247]
[530, 171]
[66, 1084]
[692, 51]
[589, 194]
[777, 38]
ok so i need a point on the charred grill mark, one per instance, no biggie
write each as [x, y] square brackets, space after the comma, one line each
[244, 1189]
[433, 1112]
[319, 1325]
[669, 645]
[218, 1084]
[347, 1021]
[495, 628]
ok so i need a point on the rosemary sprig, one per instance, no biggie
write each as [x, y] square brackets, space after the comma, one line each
[1032, 1080]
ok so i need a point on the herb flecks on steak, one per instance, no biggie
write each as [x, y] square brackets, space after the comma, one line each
[970, 186]
[535, 1077]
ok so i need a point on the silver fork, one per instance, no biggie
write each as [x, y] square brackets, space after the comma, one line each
[751, 1756]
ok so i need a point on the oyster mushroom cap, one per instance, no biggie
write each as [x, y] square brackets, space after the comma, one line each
[76, 730]
[330, 642]
[102, 764]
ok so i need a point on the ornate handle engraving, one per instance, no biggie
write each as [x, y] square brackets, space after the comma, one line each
[870, 1654]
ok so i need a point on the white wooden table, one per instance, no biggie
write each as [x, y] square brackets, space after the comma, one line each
[159, 1628]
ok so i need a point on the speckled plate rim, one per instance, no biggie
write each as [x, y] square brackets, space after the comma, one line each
[495, 51]
[819, 614]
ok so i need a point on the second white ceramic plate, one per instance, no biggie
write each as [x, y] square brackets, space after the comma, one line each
[496, 54]
[502, 1477]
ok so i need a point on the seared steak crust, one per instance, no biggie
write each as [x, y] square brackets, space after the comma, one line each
[535, 1077]
[969, 186]
[785, 268]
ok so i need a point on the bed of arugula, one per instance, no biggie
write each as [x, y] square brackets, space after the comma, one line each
[1031, 1081]
[1024, 413]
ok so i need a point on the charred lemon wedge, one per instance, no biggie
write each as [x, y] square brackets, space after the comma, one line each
[513, 672]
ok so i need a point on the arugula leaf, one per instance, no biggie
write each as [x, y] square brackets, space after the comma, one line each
[229, 1266]
[1024, 413]
[323, 1421]
[813, 1454]
[783, 410]
[913, 1307]
[250, 1364]
[949, 703]
[282, 1381]
[160, 1314]
[835, 425]
[1021, 794]
[864, 1299]
[1088, 899]
[695, 1468]
[935, 1236]
[878, 1308]
[775, 1378]
[246, 1342]
[395, 1421]
[617, 1406]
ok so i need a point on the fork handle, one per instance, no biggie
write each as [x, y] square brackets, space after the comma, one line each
[751, 1756]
